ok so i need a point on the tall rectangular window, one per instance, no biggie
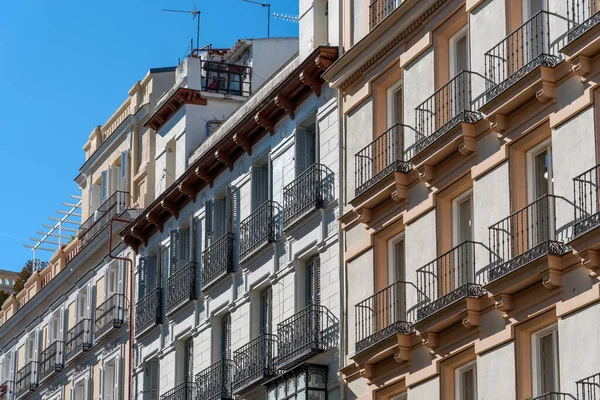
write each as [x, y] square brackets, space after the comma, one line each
[226, 337]
[266, 311]
[459, 52]
[151, 379]
[189, 360]
[539, 171]
[396, 259]
[466, 382]
[545, 361]
[313, 281]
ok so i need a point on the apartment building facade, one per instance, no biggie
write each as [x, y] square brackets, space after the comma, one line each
[65, 335]
[469, 222]
[237, 285]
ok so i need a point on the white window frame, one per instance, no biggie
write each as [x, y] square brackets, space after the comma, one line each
[401, 396]
[458, 381]
[526, 10]
[392, 278]
[455, 203]
[86, 388]
[535, 352]
[463, 32]
[390, 102]
[546, 145]
[116, 360]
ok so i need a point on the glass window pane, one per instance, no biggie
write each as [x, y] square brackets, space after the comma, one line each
[461, 54]
[316, 380]
[301, 381]
[468, 385]
[541, 174]
[547, 368]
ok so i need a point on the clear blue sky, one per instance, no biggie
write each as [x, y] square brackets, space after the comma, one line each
[65, 66]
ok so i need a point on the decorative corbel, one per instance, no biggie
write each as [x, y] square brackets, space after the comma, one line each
[430, 340]
[504, 303]
[426, 173]
[263, 121]
[170, 208]
[224, 158]
[205, 176]
[364, 215]
[187, 191]
[366, 371]
[546, 93]
[311, 81]
[243, 142]
[323, 63]
[590, 260]
[155, 220]
[286, 105]
[403, 353]
[135, 232]
[131, 242]
[553, 277]
[466, 146]
[400, 192]
[581, 66]
[498, 124]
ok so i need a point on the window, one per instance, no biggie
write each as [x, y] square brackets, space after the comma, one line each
[394, 103]
[306, 382]
[401, 396]
[7, 367]
[55, 328]
[545, 365]
[113, 279]
[226, 337]
[80, 390]
[151, 379]
[110, 390]
[539, 171]
[260, 182]
[313, 281]
[180, 249]
[396, 259]
[466, 382]
[459, 52]
[221, 215]
[532, 7]
[462, 210]
[188, 372]
[82, 304]
[148, 276]
[305, 148]
[266, 311]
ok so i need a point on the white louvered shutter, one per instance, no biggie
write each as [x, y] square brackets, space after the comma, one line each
[301, 149]
[154, 379]
[109, 382]
[219, 216]
[183, 253]
[260, 186]
[174, 250]
[142, 273]
[124, 171]
[103, 187]
[164, 266]
[232, 209]
[208, 229]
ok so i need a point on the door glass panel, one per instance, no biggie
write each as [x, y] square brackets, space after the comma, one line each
[468, 385]
[535, 6]
[541, 173]
[547, 371]
[461, 55]
[464, 221]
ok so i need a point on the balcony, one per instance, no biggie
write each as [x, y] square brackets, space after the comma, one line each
[312, 189]
[114, 206]
[110, 315]
[530, 46]
[384, 315]
[587, 203]
[589, 388]
[27, 379]
[525, 236]
[214, 383]
[183, 391]
[448, 279]
[228, 79]
[309, 332]
[52, 359]
[181, 287]
[148, 311]
[259, 229]
[379, 9]
[380, 159]
[582, 15]
[6, 390]
[254, 363]
[218, 260]
[554, 396]
[452, 105]
[79, 339]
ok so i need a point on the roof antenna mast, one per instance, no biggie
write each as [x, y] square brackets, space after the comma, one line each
[195, 13]
[268, 14]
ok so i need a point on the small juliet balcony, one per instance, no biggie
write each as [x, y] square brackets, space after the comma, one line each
[449, 107]
[384, 315]
[554, 396]
[79, 339]
[228, 79]
[587, 202]
[148, 311]
[379, 9]
[52, 360]
[27, 379]
[589, 388]
[6, 390]
[183, 391]
[309, 332]
[529, 47]
[215, 382]
[110, 315]
[181, 287]
[311, 190]
[254, 363]
[582, 15]
[259, 229]
[218, 260]
[114, 206]
[449, 279]
[523, 237]
[377, 164]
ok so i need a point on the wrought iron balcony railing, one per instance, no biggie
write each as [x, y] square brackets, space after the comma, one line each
[181, 286]
[214, 383]
[224, 78]
[183, 391]
[587, 202]
[254, 363]
[312, 189]
[385, 314]
[582, 15]
[79, 339]
[260, 228]
[115, 205]
[523, 237]
[451, 105]
[379, 9]
[6, 390]
[52, 359]
[148, 311]
[449, 278]
[110, 315]
[27, 379]
[589, 388]
[218, 260]
[555, 396]
[380, 158]
[528, 47]
[310, 331]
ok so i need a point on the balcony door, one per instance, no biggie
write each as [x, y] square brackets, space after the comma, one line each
[266, 311]
[188, 366]
[539, 184]
[110, 389]
[461, 260]
[226, 337]
[305, 148]
[534, 35]
[391, 308]
[456, 96]
[179, 249]
[260, 184]
[545, 363]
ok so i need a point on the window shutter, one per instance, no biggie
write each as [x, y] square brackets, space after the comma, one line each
[174, 247]
[90, 196]
[151, 274]
[266, 312]
[164, 266]
[301, 150]
[120, 273]
[124, 171]
[226, 337]
[219, 215]
[313, 282]
[189, 360]
[208, 230]
[103, 187]
[260, 188]
[109, 385]
[232, 209]
[183, 252]
[142, 277]
[154, 378]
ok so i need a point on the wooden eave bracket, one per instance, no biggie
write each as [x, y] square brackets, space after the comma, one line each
[170, 208]
[155, 220]
[243, 142]
[284, 103]
[186, 190]
[581, 66]
[135, 232]
[132, 242]
[323, 63]
[590, 260]
[311, 81]
[224, 158]
[263, 121]
[552, 278]
[204, 175]
[429, 340]
[504, 303]
[498, 124]
[401, 182]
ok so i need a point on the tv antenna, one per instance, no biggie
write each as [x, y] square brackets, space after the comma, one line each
[268, 14]
[286, 17]
[195, 13]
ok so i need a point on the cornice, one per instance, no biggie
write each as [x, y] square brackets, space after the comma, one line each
[173, 103]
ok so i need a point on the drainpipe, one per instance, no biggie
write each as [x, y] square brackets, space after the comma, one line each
[110, 231]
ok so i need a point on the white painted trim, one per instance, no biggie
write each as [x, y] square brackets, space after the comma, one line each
[463, 32]
[392, 278]
[459, 200]
[535, 350]
[458, 382]
[390, 102]
[530, 176]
